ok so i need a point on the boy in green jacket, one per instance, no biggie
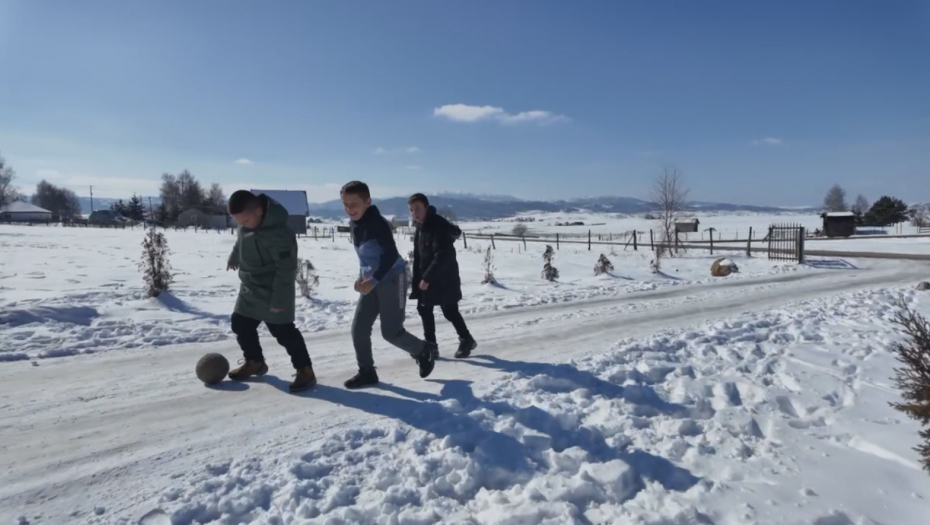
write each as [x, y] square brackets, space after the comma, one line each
[266, 256]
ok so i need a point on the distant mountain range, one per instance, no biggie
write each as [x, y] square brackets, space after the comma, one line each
[480, 206]
[470, 206]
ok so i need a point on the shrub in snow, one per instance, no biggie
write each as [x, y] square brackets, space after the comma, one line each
[914, 378]
[489, 268]
[550, 273]
[306, 277]
[603, 266]
[156, 269]
[408, 269]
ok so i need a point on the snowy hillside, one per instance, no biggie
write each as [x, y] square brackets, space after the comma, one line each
[669, 399]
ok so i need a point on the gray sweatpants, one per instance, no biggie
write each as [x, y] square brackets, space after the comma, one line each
[388, 299]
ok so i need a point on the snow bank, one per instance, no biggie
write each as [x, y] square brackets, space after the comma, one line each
[771, 418]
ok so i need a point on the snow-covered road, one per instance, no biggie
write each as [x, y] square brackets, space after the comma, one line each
[115, 431]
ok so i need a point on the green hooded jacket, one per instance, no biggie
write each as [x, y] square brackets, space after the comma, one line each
[267, 260]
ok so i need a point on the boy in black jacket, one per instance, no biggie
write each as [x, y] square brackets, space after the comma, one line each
[436, 278]
[382, 287]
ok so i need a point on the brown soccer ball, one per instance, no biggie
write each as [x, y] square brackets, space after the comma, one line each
[212, 368]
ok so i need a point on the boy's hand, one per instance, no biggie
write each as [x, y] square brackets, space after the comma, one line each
[232, 266]
[357, 282]
[277, 310]
[364, 286]
[424, 285]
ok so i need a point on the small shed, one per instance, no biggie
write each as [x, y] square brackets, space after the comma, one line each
[295, 202]
[206, 217]
[839, 223]
[687, 226]
[24, 212]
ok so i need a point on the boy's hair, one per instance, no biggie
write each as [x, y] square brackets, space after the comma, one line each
[356, 188]
[242, 200]
[418, 197]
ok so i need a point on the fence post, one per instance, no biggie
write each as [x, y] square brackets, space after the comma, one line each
[634, 241]
[749, 244]
[524, 242]
[334, 234]
[652, 244]
[589, 240]
[492, 242]
[557, 241]
[465, 240]
[801, 245]
[711, 242]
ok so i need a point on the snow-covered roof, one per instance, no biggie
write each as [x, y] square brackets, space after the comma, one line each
[839, 214]
[22, 207]
[294, 201]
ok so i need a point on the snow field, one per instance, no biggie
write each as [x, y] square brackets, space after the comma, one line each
[775, 417]
[66, 291]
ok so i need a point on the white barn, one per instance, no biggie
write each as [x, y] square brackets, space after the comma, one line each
[295, 202]
[24, 212]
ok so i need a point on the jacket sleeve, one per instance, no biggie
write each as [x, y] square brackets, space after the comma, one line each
[415, 274]
[389, 254]
[441, 257]
[234, 254]
[283, 250]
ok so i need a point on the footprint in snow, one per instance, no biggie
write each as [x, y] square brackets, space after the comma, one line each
[155, 517]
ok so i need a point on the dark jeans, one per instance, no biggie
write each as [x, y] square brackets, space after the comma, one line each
[451, 312]
[288, 336]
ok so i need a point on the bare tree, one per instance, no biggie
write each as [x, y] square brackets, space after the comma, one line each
[8, 192]
[216, 197]
[668, 198]
[835, 199]
[520, 230]
[861, 205]
[62, 202]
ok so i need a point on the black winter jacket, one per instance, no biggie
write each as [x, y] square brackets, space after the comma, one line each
[434, 261]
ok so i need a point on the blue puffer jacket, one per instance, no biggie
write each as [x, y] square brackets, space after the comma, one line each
[374, 244]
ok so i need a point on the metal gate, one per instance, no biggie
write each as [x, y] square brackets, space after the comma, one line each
[786, 242]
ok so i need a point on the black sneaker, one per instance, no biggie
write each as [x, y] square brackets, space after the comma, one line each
[364, 377]
[427, 359]
[465, 348]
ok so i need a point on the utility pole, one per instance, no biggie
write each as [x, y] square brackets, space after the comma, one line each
[92, 199]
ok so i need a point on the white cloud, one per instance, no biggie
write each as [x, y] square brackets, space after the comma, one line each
[414, 167]
[768, 141]
[465, 113]
[383, 151]
[244, 162]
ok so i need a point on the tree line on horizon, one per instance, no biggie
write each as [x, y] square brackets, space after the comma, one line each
[886, 211]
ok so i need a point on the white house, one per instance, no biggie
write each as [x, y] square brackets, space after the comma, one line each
[24, 212]
[295, 202]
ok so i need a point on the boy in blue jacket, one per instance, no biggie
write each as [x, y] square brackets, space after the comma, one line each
[382, 287]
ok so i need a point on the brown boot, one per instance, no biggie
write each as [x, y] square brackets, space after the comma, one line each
[249, 369]
[304, 380]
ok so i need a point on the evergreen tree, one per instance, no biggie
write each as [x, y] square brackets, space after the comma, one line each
[135, 210]
[550, 273]
[119, 207]
[886, 211]
[913, 379]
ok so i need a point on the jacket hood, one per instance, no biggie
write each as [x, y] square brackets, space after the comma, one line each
[275, 214]
[435, 221]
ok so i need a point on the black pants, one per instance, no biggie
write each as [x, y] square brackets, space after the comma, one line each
[288, 336]
[450, 311]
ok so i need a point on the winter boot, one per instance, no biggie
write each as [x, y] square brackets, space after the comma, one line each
[364, 377]
[304, 380]
[465, 348]
[427, 359]
[249, 369]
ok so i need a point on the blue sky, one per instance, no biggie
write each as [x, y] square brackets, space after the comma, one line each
[756, 102]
